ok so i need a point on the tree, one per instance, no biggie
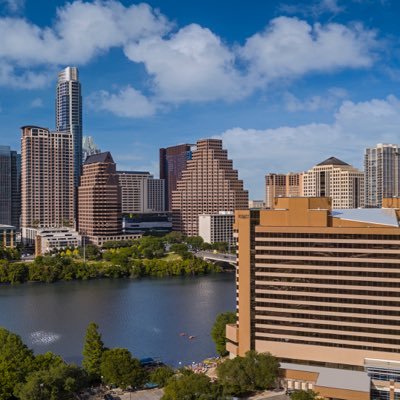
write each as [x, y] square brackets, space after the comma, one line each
[179, 248]
[161, 375]
[174, 237]
[118, 367]
[304, 395]
[247, 374]
[16, 361]
[191, 386]
[218, 331]
[93, 349]
[195, 242]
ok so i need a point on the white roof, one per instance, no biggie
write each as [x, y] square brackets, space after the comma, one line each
[382, 216]
[335, 378]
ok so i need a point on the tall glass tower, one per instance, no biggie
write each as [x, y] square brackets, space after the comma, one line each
[69, 113]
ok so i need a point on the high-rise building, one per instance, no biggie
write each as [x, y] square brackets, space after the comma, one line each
[217, 228]
[208, 185]
[47, 186]
[10, 187]
[338, 180]
[69, 113]
[282, 185]
[156, 195]
[382, 173]
[134, 189]
[89, 148]
[319, 289]
[99, 197]
[173, 161]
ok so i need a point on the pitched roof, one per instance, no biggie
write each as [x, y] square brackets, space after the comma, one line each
[332, 161]
[100, 158]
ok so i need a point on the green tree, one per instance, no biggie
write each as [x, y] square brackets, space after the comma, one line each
[174, 237]
[161, 375]
[247, 374]
[93, 348]
[195, 242]
[304, 395]
[218, 331]
[191, 386]
[179, 248]
[118, 367]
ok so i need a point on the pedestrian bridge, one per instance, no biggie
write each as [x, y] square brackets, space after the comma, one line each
[217, 257]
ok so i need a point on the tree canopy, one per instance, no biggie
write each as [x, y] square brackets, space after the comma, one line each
[93, 348]
[218, 331]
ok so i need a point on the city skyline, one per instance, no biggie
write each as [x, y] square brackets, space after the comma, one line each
[189, 74]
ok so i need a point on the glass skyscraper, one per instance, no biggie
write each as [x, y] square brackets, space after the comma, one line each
[69, 113]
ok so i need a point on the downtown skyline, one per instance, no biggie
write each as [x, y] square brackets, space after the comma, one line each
[188, 74]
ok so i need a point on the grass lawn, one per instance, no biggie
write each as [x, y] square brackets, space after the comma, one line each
[172, 257]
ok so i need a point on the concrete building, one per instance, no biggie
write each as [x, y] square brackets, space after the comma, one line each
[282, 185]
[382, 173]
[338, 180]
[7, 236]
[69, 113]
[209, 184]
[10, 187]
[156, 195]
[319, 289]
[50, 239]
[134, 191]
[256, 204]
[47, 181]
[217, 228]
[173, 161]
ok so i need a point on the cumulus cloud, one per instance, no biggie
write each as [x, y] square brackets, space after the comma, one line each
[298, 148]
[128, 102]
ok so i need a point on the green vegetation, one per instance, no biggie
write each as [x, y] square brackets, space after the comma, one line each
[247, 374]
[218, 331]
[304, 395]
[161, 375]
[93, 348]
[119, 368]
[9, 254]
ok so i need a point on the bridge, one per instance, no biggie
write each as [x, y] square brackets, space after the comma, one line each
[217, 257]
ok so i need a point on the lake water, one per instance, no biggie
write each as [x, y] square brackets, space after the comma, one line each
[145, 316]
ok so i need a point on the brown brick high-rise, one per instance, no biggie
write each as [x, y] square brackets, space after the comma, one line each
[99, 197]
[208, 185]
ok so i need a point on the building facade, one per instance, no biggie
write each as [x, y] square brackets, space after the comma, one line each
[173, 161]
[134, 190]
[7, 236]
[10, 187]
[319, 289]
[47, 181]
[99, 198]
[151, 222]
[382, 173]
[156, 195]
[217, 228]
[50, 239]
[69, 113]
[282, 185]
[208, 185]
[338, 180]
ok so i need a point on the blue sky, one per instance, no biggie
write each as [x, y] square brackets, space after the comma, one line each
[285, 84]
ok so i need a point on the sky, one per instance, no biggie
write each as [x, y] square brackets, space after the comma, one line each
[285, 84]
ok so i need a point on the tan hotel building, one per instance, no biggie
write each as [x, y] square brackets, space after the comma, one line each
[320, 289]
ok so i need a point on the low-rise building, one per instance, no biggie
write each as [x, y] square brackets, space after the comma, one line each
[159, 222]
[216, 228]
[50, 239]
[7, 236]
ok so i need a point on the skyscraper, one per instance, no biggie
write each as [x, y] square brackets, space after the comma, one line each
[69, 113]
[282, 185]
[209, 185]
[10, 186]
[88, 148]
[47, 185]
[382, 173]
[156, 194]
[173, 160]
[134, 187]
[336, 179]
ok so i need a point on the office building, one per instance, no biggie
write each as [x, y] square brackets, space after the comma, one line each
[134, 191]
[217, 228]
[99, 195]
[256, 204]
[69, 113]
[209, 184]
[10, 187]
[338, 180]
[156, 195]
[282, 185]
[47, 185]
[51, 239]
[173, 161]
[150, 222]
[382, 173]
[89, 148]
[319, 289]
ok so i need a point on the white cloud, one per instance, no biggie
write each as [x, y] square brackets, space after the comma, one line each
[191, 65]
[22, 79]
[298, 148]
[290, 47]
[128, 102]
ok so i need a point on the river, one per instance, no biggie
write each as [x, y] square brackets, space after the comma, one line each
[145, 316]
